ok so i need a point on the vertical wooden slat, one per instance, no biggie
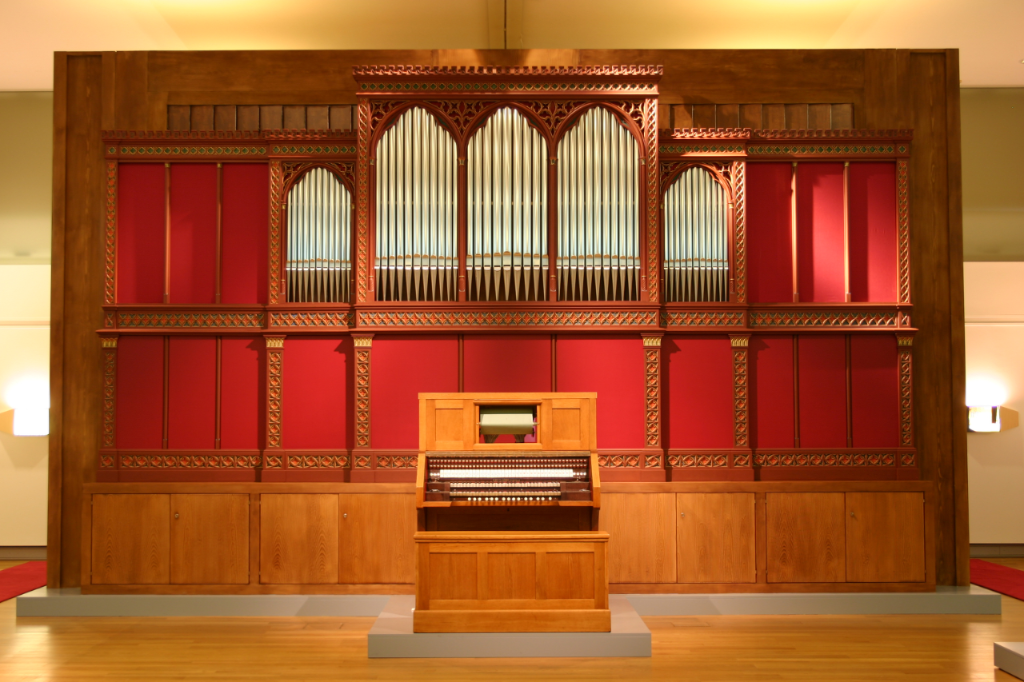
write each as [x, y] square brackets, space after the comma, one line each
[819, 116]
[224, 117]
[773, 117]
[295, 117]
[750, 116]
[179, 117]
[682, 116]
[271, 117]
[664, 117]
[796, 117]
[341, 117]
[247, 117]
[318, 118]
[727, 116]
[842, 116]
[202, 117]
[703, 115]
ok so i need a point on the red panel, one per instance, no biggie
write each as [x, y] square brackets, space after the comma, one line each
[822, 391]
[140, 392]
[402, 367]
[771, 372]
[316, 392]
[507, 363]
[241, 392]
[819, 224]
[192, 405]
[873, 267]
[193, 232]
[769, 232]
[614, 368]
[244, 230]
[699, 394]
[140, 233]
[875, 388]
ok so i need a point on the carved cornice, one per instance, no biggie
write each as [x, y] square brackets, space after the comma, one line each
[701, 318]
[189, 320]
[415, 71]
[859, 134]
[706, 134]
[823, 318]
[507, 318]
[824, 459]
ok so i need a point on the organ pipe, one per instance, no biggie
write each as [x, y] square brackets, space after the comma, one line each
[507, 217]
[696, 238]
[417, 208]
[598, 214]
[318, 264]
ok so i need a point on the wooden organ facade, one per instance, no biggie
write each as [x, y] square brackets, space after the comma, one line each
[272, 303]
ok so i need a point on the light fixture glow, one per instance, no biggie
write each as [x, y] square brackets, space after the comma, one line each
[29, 392]
[32, 421]
[983, 391]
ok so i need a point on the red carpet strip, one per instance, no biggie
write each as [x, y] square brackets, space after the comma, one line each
[1001, 579]
[21, 579]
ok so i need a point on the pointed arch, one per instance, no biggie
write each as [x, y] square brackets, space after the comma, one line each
[318, 261]
[696, 236]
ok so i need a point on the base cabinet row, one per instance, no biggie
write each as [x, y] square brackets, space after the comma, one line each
[787, 537]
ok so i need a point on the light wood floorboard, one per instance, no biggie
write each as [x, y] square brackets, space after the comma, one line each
[711, 648]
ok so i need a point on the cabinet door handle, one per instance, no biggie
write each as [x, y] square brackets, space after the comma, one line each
[175, 514]
[344, 516]
[682, 513]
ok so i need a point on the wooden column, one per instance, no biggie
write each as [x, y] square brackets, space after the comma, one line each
[654, 452]
[905, 348]
[740, 374]
[361, 457]
[108, 427]
[272, 458]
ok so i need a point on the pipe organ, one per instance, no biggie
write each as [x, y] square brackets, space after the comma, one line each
[696, 238]
[319, 265]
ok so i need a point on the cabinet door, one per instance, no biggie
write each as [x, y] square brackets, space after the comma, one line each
[885, 537]
[375, 538]
[209, 539]
[642, 542]
[298, 539]
[715, 538]
[131, 539]
[806, 538]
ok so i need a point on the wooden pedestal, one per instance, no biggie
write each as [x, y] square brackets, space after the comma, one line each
[511, 581]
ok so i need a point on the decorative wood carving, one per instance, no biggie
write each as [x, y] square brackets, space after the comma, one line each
[275, 368]
[824, 459]
[275, 278]
[509, 318]
[904, 345]
[108, 431]
[318, 461]
[396, 461]
[738, 174]
[363, 344]
[156, 319]
[652, 396]
[619, 461]
[740, 389]
[110, 237]
[130, 460]
[344, 318]
[903, 229]
[837, 317]
[363, 215]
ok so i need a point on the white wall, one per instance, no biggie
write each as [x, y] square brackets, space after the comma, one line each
[994, 306]
[24, 355]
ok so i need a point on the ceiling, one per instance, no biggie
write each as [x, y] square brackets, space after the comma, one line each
[987, 32]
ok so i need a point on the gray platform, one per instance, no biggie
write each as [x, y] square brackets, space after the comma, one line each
[392, 637]
[1009, 657]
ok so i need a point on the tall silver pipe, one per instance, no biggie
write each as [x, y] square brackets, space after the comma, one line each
[696, 238]
[318, 265]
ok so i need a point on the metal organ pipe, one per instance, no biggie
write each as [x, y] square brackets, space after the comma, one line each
[506, 241]
[598, 214]
[417, 245]
[696, 238]
[318, 264]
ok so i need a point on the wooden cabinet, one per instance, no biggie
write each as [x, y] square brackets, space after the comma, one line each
[375, 538]
[642, 530]
[299, 539]
[131, 539]
[715, 538]
[806, 537]
[885, 537]
[209, 539]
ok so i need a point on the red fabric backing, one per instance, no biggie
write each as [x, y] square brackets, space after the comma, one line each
[245, 196]
[241, 392]
[698, 397]
[193, 232]
[192, 405]
[998, 578]
[140, 233]
[402, 367]
[316, 392]
[819, 220]
[875, 391]
[18, 580]
[140, 392]
[873, 267]
[822, 391]
[769, 247]
[506, 363]
[614, 368]
[771, 372]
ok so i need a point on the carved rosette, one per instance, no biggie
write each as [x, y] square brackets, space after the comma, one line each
[276, 231]
[110, 237]
[740, 344]
[619, 461]
[825, 459]
[318, 461]
[652, 393]
[108, 431]
[904, 345]
[363, 344]
[703, 461]
[903, 229]
[396, 461]
[152, 461]
[275, 366]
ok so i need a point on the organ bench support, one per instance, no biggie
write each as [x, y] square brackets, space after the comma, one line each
[507, 492]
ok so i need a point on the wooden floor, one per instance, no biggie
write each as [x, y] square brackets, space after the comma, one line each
[733, 648]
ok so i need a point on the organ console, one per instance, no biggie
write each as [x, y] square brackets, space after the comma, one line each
[508, 492]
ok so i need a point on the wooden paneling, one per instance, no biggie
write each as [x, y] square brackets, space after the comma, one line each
[569, 575]
[295, 117]
[375, 539]
[452, 576]
[885, 537]
[773, 117]
[806, 537]
[715, 538]
[842, 116]
[703, 115]
[682, 116]
[318, 118]
[727, 115]
[298, 539]
[224, 117]
[271, 117]
[202, 117]
[796, 116]
[247, 117]
[642, 547]
[819, 116]
[512, 575]
[179, 117]
[750, 116]
[341, 118]
[209, 539]
[131, 539]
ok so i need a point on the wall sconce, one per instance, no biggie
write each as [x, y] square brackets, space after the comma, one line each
[991, 419]
[26, 421]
